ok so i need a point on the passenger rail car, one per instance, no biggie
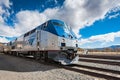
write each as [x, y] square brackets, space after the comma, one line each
[53, 39]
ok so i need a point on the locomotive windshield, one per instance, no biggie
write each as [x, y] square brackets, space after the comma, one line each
[63, 30]
[57, 24]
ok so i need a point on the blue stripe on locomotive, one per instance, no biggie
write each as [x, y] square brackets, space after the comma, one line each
[61, 30]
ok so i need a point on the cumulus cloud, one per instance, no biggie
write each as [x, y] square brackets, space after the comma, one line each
[4, 40]
[81, 13]
[4, 6]
[4, 13]
[114, 16]
[27, 20]
[110, 37]
[5, 3]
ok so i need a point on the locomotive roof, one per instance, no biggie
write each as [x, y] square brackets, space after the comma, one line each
[56, 27]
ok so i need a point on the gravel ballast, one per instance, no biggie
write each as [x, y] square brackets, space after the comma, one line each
[16, 68]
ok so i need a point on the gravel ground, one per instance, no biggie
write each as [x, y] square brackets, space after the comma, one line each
[15, 68]
[104, 66]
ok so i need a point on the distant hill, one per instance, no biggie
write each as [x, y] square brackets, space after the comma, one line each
[114, 46]
[108, 49]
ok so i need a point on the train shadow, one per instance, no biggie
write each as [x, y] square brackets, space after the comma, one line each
[18, 64]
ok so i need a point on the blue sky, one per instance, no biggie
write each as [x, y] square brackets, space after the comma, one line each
[104, 26]
[95, 22]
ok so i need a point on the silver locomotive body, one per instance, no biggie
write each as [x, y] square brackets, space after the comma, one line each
[54, 39]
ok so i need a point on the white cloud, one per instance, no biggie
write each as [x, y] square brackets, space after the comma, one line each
[1, 10]
[4, 40]
[4, 6]
[81, 13]
[117, 8]
[1, 20]
[25, 21]
[4, 29]
[114, 16]
[5, 3]
[28, 20]
[7, 31]
[105, 38]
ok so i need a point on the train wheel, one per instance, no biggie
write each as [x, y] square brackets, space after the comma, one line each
[46, 56]
[17, 53]
[36, 55]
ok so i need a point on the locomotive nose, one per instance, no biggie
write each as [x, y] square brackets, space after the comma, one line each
[70, 51]
[64, 61]
[67, 56]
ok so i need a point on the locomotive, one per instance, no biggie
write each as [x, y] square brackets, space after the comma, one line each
[53, 40]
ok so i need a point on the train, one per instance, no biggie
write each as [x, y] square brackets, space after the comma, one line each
[53, 40]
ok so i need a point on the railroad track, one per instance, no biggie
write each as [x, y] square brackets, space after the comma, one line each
[113, 57]
[91, 65]
[100, 61]
[94, 71]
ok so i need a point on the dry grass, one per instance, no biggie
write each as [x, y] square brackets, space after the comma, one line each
[101, 53]
[104, 53]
